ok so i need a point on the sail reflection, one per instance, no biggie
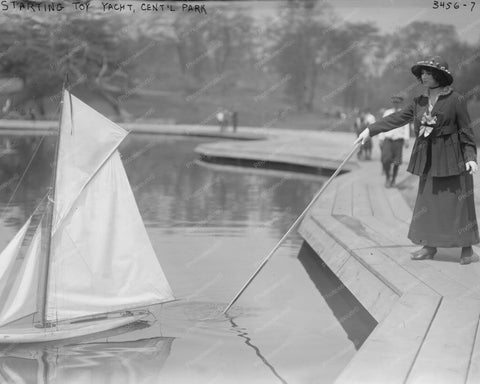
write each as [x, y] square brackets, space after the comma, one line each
[129, 362]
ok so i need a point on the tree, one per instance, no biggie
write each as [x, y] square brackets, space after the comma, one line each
[40, 50]
[205, 47]
[297, 48]
[350, 49]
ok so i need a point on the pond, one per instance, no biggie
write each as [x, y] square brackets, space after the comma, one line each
[210, 228]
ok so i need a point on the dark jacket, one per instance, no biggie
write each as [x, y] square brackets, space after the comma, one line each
[452, 140]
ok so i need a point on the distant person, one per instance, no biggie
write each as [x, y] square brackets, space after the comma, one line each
[444, 157]
[31, 114]
[392, 143]
[367, 119]
[234, 121]
[358, 127]
[6, 106]
[222, 120]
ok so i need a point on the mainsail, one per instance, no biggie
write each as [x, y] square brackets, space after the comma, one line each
[9, 255]
[21, 298]
[101, 258]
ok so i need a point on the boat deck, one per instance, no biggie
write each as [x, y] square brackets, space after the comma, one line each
[428, 311]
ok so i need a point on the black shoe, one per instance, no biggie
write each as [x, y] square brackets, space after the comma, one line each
[466, 256]
[424, 253]
[466, 260]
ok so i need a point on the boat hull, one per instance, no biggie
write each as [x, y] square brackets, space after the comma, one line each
[64, 331]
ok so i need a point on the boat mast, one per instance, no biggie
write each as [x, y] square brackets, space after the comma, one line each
[47, 229]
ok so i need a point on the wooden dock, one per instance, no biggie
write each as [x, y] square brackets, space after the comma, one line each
[49, 127]
[303, 149]
[428, 311]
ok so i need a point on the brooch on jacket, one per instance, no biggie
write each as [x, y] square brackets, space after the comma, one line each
[427, 124]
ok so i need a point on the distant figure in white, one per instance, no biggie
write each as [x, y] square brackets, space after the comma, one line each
[222, 120]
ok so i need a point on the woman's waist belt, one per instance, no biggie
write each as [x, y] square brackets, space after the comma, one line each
[444, 130]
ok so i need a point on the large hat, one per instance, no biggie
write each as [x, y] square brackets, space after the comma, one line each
[437, 64]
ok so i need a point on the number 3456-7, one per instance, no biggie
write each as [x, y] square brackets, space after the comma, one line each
[449, 4]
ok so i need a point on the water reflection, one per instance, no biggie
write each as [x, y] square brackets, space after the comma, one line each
[243, 333]
[180, 192]
[355, 320]
[138, 361]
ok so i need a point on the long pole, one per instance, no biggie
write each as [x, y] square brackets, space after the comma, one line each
[48, 228]
[302, 215]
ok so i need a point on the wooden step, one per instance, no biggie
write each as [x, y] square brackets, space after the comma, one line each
[378, 259]
[399, 206]
[390, 351]
[445, 354]
[326, 247]
[380, 204]
[361, 200]
[343, 199]
[473, 375]
[446, 278]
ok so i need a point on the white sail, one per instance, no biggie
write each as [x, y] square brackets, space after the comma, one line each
[9, 255]
[83, 148]
[101, 258]
[22, 296]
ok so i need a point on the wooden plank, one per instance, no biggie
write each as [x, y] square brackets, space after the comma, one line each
[351, 239]
[380, 205]
[332, 253]
[376, 259]
[324, 205]
[399, 206]
[473, 375]
[448, 279]
[389, 352]
[343, 200]
[393, 235]
[445, 354]
[361, 201]
[447, 262]
[370, 291]
[371, 288]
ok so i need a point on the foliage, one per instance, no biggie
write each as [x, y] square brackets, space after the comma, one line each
[318, 61]
[41, 50]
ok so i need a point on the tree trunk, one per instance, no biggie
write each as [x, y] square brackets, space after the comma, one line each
[41, 106]
[313, 86]
[113, 102]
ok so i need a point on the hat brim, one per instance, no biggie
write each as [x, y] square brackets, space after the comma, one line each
[417, 71]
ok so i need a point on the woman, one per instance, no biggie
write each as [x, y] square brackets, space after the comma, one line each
[444, 156]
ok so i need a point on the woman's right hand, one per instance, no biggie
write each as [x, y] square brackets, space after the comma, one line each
[363, 137]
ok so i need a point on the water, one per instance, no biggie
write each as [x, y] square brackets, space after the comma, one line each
[210, 228]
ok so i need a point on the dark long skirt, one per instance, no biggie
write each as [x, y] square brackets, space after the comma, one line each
[444, 214]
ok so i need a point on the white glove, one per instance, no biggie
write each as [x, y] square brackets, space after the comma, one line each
[363, 137]
[471, 167]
